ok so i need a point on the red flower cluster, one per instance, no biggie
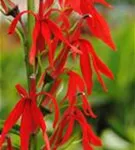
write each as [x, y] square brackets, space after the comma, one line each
[31, 116]
[60, 40]
[76, 87]
[42, 32]
[67, 122]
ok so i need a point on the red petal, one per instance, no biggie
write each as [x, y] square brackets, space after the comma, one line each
[93, 138]
[87, 108]
[15, 21]
[86, 145]
[47, 35]
[103, 2]
[75, 84]
[46, 32]
[39, 120]
[9, 143]
[48, 4]
[26, 126]
[37, 116]
[56, 108]
[60, 130]
[97, 24]
[58, 33]
[41, 9]
[100, 64]
[75, 5]
[64, 19]
[79, 116]
[99, 76]
[76, 34]
[86, 68]
[40, 43]
[60, 62]
[61, 3]
[33, 50]
[99, 28]
[47, 142]
[56, 30]
[52, 91]
[12, 119]
[88, 134]
[79, 82]
[72, 88]
[21, 91]
[103, 68]
[68, 132]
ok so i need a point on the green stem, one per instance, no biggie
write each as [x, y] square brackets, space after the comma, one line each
[33, 142]
[30, 21]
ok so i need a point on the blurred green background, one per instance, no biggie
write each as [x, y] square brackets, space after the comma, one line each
[115, 109]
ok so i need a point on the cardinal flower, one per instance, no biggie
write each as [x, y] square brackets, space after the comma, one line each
[88, 59]
[65, 130]
[76, 87]
[31, 117]
[97, 25]
[43, 30]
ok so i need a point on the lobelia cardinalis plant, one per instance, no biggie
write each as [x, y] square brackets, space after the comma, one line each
[56, 40]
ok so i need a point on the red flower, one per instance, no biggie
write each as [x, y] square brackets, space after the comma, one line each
[67, 122]
[88, 56]
[89, 60]
[88, 135]
[60, 62]
[42, 32]
[76, 87]
[31, 117]
[52, 91]
[97, 25]
[9, 143]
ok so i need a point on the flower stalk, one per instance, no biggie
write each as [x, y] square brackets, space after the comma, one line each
[33, 142]
[29, 68]
[28, 40]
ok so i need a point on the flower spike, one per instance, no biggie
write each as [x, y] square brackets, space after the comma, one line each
[58, 40]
